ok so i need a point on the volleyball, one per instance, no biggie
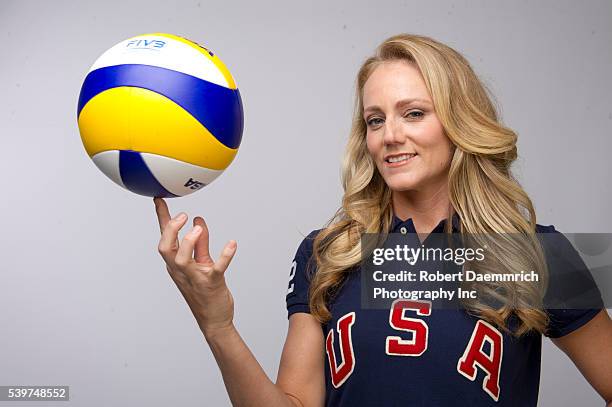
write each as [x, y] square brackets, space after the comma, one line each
[160, 115]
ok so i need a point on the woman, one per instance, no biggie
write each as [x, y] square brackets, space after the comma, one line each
[425, 147]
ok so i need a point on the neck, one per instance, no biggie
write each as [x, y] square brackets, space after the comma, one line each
[426, 207]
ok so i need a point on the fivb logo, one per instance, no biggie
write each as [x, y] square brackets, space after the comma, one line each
[145, 44]
[193, 184]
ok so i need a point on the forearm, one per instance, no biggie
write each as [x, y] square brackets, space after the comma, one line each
[246, 382]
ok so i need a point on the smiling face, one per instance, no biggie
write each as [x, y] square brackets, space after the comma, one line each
[402, 125]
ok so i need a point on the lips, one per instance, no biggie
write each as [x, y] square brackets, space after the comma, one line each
[393, 157]
[402, 160]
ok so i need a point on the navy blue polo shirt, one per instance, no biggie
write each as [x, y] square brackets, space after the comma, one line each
[413, 355]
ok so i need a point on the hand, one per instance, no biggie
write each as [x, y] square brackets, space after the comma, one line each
[200, 279]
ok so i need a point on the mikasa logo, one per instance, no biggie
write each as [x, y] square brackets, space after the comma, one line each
[193, 184]
[145, 44]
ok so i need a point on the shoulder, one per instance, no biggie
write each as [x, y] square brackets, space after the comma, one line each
[572, 295]
[307, 242]
[561, 255]
[303, 254]
[300, 275]
[545, 229]
[555, 244]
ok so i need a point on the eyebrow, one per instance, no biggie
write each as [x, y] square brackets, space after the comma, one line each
[399, 103]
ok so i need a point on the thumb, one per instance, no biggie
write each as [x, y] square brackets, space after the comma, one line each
[226, 256]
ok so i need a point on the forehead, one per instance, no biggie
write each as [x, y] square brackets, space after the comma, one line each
[394, 80]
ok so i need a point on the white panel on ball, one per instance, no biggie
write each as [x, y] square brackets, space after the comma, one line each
[178, 177]
[173, 55]
[108, 163]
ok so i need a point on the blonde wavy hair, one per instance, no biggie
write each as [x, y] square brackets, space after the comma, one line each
[482, 191]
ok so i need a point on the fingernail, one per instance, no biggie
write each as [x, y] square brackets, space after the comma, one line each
[181, 216]
[197, 229]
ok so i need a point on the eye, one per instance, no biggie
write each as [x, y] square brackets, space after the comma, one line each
[414, 114]
[374, 121]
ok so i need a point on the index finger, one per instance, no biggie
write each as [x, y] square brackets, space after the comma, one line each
[163, 215]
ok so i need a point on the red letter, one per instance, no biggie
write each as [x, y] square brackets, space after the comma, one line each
[340, 373]
[474, 355]
[395, 345]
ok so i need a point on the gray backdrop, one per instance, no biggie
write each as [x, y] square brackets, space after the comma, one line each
[85, 298]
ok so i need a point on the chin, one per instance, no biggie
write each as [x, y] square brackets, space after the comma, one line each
[402, 183]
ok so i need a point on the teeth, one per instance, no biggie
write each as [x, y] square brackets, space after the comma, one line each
[400, 158]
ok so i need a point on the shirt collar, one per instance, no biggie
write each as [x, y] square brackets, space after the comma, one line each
[397, 224]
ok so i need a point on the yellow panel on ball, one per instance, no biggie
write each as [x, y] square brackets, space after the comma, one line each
[130, 118]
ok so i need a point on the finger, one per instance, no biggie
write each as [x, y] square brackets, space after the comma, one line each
[202, 253]
[163, 215]
[168, 243]
[184, 255]
[227, 254]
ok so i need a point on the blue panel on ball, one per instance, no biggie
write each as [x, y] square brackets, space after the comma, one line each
[219, 109]
[137, 177]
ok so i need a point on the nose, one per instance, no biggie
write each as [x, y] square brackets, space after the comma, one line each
[394, 133]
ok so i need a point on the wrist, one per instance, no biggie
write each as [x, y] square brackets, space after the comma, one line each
[214, 333]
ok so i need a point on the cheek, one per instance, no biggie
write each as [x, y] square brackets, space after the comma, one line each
[441, 156]
[373, 146]
[437, 147]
